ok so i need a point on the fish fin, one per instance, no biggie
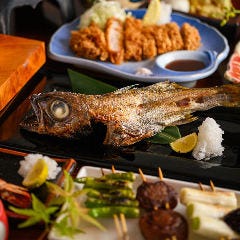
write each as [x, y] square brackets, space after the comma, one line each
[232, 93]
[188, 118]
[125, 89]
[165, 86]
[117, 136]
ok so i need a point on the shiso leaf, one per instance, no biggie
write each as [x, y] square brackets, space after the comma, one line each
[166, 136]
[86, 85]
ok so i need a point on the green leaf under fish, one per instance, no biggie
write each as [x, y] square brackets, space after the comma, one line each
[166, 136]
[87, 85]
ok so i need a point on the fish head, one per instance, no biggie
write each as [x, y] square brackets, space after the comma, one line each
[61, 114]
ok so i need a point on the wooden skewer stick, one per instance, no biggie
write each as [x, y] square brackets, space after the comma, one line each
[117, 224]
[160, 174]
[113, 169]
[201, 186]
[102, 172]
[167, 206]
[142, 175]
[212, 186]
[121, 228]
[124, 226]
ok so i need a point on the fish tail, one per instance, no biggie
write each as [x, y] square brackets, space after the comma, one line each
[232, 93]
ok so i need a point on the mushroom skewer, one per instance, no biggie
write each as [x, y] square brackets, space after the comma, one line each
[156, 195]
[161, 221]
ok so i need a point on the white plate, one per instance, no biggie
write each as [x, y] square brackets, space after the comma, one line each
[92, 232]
[212, 40]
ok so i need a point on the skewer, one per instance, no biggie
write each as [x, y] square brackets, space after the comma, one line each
[102, 172]
[142, 175]
[121, 228]
[201, 186]
[212, 186]
[160, 174]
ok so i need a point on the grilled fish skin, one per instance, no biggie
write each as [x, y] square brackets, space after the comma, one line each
[130, 114]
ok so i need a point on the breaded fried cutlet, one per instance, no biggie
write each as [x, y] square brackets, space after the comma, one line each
[168, 38]
[149, 47]
[89, 43]
[191, 37]
[133, 39]
[114, 38]
[175, 36]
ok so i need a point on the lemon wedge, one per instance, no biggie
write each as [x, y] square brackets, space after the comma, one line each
[152, 14]
[185, 144]
[37, 175]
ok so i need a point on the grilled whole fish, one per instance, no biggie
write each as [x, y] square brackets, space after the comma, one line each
[130, 114]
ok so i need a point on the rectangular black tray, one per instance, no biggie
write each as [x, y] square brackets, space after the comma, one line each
[223, 171]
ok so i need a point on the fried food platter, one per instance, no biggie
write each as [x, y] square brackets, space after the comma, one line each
[59, 50]
[132, 224]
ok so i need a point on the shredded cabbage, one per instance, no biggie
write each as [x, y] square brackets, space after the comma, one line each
[101, 11]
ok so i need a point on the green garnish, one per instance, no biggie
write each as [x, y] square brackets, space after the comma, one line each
[84, 84]
[72, 208]
[166, 136]
[229, 13]
[67, 209]
[38, 213]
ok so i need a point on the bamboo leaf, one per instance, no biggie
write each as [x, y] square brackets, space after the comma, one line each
[168, 135]
[87, 85]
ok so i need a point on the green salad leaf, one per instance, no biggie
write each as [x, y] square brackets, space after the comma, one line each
[84, 84]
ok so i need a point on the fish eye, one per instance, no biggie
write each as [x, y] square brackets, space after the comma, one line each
[59, 109]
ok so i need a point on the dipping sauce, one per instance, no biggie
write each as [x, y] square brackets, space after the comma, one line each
[185, 65]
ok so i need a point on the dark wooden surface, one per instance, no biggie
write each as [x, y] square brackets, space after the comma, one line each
[40, 29]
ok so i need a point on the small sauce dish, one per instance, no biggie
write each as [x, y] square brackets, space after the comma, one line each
[187, 64]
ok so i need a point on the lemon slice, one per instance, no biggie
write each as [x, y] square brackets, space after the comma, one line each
[37, 175]
[152, 14]
[184, 144]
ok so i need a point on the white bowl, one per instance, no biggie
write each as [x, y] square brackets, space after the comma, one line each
[207, 57]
